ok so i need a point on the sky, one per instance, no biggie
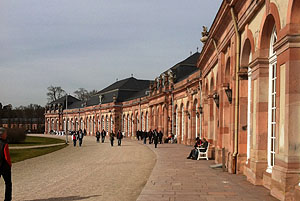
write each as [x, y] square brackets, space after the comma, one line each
[92, 43]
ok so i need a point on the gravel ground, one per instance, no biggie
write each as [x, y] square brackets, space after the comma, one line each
[94, 171]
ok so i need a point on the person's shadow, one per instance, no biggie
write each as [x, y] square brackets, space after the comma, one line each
[66, 198]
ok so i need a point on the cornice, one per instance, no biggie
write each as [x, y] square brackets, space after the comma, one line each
[286, 42]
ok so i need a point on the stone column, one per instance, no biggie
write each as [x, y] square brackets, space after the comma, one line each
[170, 118]
[179, 124]
[166, 122]
[258, 162]
[150, 118]
[285, 173]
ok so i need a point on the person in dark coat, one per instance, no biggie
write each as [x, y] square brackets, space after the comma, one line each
[160, 136]
[98, 136]
[5, 164]
[144, 134]
[194, 152]
[204, 145]
[155, 138]
[112, 138]
[138, 135]
[119, 137]
[150, 135]
[103, 134]
[80, 137]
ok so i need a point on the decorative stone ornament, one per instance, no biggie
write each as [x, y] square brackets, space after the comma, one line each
[204, 35]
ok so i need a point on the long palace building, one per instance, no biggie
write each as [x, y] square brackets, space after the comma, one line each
[240, 92]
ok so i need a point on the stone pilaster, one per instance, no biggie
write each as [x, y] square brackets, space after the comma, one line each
[258, 163]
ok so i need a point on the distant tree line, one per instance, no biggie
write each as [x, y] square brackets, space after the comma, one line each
[30, 111]
[56, 92]
[30, 118]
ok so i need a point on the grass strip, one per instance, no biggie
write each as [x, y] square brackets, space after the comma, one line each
[34, 140]
[18, 155]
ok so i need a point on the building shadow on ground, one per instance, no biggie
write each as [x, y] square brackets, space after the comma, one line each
[68, 198]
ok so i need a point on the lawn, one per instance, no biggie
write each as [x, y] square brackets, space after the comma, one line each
[34, 140]
[23, 154]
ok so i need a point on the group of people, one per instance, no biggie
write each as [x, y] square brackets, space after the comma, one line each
[101, 134]
[78, 135]
[119, 138]
[153, 136]
[198, 144]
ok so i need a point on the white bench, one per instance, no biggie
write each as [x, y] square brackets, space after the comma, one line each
[202, 154]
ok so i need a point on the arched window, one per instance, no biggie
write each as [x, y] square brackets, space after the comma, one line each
[76, 124]
[68, 124]
[132, 124]
[72, 127]
[111, 124]
[123, 123]
[176, 123]
[65, 125]
[49, 126]
[106, 122]
[182, 123]
[90, 125]
[142, 121]
[94, 125]
[128, 125]
[272, 102]
[197, 117]
[99, 124]
[147, 122]
[137, 121]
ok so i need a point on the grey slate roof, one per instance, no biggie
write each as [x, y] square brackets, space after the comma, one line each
[132, 88]
[124, 90]
[62, 101]
[185, 68]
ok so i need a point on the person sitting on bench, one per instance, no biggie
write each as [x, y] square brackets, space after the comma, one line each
[204, 145]
[194, 152]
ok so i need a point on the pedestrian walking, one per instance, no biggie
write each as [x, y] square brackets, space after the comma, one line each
[103, 134]
[119, 137]
[155, 138]
[80, 137]
[98, 136]
[145, 137]
[150, 136]
[74, 138]
[112, 138]
[5, 164]
[160, 136]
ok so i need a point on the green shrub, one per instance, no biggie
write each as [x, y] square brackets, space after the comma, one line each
[16, 135]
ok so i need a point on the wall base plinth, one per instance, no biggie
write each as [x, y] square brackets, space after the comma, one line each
[283, 183]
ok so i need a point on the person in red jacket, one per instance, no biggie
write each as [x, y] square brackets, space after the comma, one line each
[5, 164]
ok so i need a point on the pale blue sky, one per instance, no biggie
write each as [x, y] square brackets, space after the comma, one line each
[91, 43]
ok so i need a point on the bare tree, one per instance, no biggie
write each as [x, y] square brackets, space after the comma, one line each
[81, 93]
[55, 93]
[84, 94]
[92, 93]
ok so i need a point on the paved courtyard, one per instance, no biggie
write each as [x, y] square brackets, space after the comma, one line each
[175, 178]
[94, 171]
[100, 172]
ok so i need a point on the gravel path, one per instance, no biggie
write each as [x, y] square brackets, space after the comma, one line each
[94, 171]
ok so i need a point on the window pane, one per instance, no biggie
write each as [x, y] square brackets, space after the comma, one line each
[272, 145]
[273, 115]
[272, 160]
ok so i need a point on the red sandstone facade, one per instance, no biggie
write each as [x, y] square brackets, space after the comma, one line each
[243, 98]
